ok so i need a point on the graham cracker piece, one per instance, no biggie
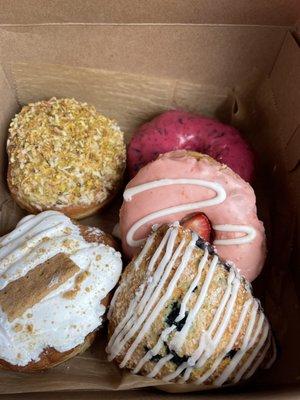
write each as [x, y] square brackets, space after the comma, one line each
[25, 292]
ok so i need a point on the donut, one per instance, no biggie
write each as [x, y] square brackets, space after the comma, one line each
[181, 130]
[63, 155]
[55, 279]
[181, 314]
[181, 182]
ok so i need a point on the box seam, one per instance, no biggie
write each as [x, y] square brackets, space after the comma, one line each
[288, 34]
[12, 84]
[288, 27]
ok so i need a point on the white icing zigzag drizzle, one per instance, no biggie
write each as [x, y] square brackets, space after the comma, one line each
[218, 199]
[151, 299]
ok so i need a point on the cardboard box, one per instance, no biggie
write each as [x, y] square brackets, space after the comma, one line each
[237, 60]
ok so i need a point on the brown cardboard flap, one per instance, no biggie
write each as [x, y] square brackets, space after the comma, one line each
[293, 150]
[255, 12]
[132, 73]
[131, 99]
[221, 56]
[285, 80]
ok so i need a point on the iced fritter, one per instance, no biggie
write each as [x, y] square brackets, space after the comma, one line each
[63, 155]
[55, 279]
[183, 315]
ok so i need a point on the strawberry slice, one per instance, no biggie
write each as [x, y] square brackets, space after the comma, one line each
[200, 224]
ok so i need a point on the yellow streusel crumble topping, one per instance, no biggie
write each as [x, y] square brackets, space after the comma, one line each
[63, 152]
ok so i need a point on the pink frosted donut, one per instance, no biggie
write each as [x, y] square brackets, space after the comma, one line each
[180, 183]
[181, 130]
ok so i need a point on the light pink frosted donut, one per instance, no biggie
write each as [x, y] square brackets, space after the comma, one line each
[180, 183]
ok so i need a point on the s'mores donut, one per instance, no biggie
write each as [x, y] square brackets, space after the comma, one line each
[63, 155]
[183, 315]
[55, 278]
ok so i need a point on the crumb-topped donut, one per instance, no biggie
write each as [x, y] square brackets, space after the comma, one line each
[64, 155]
[180, 183]
[183, 315]
[55, 277]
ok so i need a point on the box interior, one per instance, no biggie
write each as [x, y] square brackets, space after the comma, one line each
[244, 75]
[255, 12]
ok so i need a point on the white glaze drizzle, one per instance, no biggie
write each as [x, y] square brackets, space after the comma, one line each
[129, 193]
[156, 349]
[246, 345]
[230, 345]
[127, 318]
[249, 237]
[158, 280]
[274, 354]
[230, 304]
[165, 266]
[208, 344]
[218, 199]
[56, 321]
[193, 286]
[180, 336]
[162, 301]
[136, 263]
[210, 339]
[258, 361]
[159, 365]
[139, 293]
[129, 325]
[114, 299]
[254, 353]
